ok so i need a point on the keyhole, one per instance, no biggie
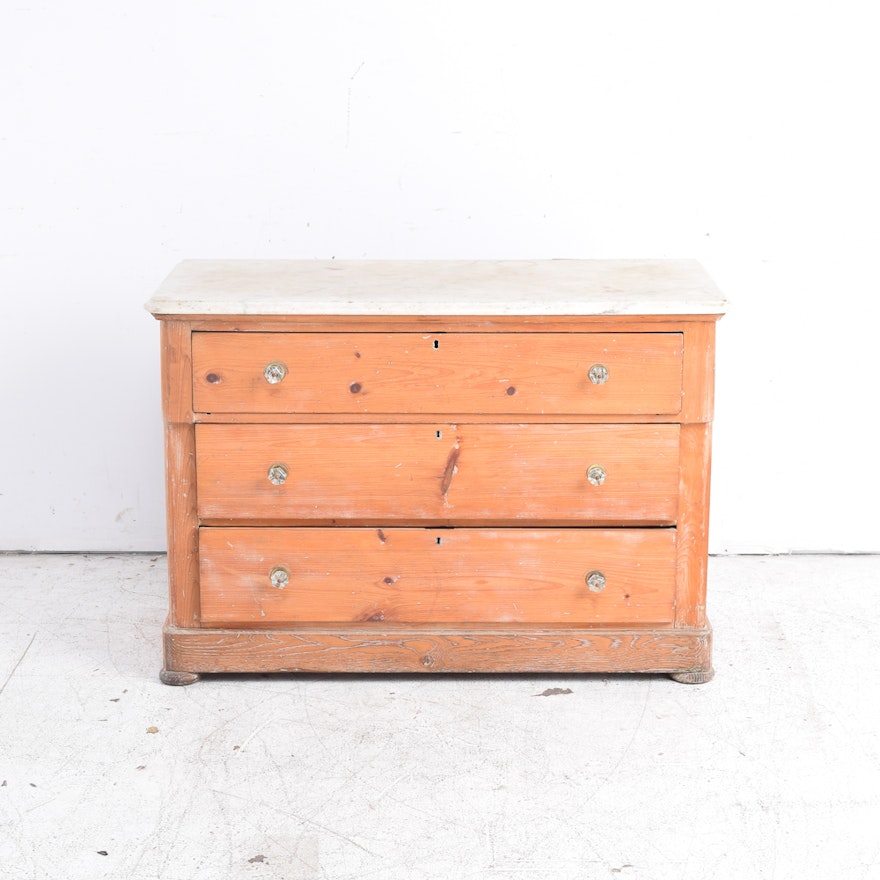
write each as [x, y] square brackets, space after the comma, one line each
[438, 540]
[436, 344]
[439, 434]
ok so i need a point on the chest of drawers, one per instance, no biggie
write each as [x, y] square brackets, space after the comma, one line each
[437, 466]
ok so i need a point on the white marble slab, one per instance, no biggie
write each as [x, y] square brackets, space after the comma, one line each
[438, 288]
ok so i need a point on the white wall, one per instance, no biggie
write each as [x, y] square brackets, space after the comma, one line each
[135, 134]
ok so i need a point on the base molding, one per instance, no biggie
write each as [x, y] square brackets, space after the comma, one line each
[683, 653]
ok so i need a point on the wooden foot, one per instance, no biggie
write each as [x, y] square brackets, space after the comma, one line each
[699, 677]
[173, 677]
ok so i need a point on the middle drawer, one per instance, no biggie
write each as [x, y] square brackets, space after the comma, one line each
[438, 473]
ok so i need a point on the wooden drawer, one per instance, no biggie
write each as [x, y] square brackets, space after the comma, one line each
[436, 576]
[461, 373]
[438, 473]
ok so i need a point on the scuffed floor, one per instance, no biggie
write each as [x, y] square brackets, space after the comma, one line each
[770, 771]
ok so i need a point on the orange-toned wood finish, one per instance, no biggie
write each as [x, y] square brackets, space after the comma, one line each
[436, 512]
[500, 648]
[447, 576]
[437, 372]
[438, 473]
[180, 475]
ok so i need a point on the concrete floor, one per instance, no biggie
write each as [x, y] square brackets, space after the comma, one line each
[770, 771]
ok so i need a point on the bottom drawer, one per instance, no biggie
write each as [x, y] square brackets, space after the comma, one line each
[275, 576]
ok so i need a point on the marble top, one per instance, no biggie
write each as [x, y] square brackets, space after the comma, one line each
[438, 288]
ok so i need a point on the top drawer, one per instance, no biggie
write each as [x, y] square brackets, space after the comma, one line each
[480, 373]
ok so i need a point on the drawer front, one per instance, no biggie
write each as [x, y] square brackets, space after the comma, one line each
[438, 473]
[632, 373]
[577, 576]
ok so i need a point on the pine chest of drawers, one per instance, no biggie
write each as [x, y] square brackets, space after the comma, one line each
[437, 466]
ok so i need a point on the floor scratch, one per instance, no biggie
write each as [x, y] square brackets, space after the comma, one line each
[625, 752]
[15, 668]
[299, 818]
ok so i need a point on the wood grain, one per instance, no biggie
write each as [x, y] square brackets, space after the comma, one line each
[440, 323]
[180, 476]
[375, 648]
[436, 575]
[439, 473]
[438, 373]
[698, 372]
[176, 367]
[696, 465]
[215, 418]
[693, 525]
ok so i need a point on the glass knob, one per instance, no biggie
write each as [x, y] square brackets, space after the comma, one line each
[596, 474]
[277, 474]
[279, 577]
[275, 372]
[598, 374]
[595, 581]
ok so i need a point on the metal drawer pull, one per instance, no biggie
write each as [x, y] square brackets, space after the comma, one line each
[598, 374]
[275, 372]
[277, 474]
[596, 474]
[279, 577]
[595, 581]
